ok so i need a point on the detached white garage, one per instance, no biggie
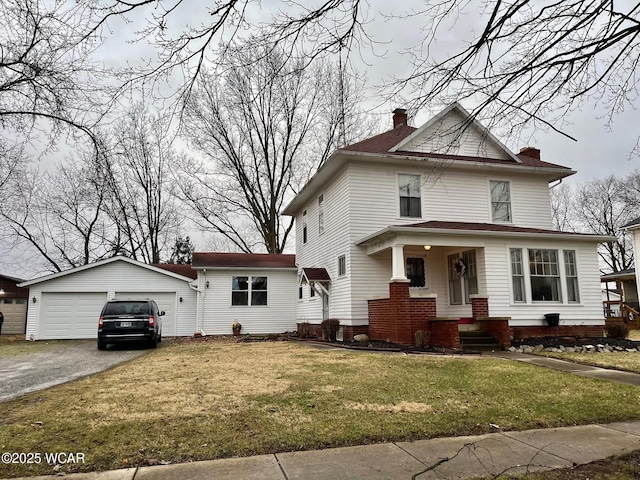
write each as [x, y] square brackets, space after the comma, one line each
[67, 305]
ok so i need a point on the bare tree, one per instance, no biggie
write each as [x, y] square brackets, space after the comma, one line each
[264, 128]
[601, 207]
[530, 62]
[58, 217]
[137, 171]
[48, 82]
[562, 208]
[184, 51]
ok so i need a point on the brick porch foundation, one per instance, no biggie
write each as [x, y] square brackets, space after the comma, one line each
[560, 331]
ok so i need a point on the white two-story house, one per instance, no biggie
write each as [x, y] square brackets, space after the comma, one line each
[425, 228]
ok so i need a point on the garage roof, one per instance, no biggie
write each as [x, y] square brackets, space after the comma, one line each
[99, 263]
[243, 260]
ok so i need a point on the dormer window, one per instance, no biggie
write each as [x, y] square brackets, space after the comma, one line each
[410, 202]
[500, 201]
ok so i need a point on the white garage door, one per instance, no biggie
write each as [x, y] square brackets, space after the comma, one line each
[166, 301]
[70, 315]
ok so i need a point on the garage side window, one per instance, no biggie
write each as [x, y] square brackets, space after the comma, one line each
[249, 291]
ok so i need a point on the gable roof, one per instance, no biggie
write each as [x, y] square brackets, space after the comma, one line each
[316, 274]
[99, 263]
[186, 270]
[468, 122]
[388, 147]
[13, 279]
[242, 260]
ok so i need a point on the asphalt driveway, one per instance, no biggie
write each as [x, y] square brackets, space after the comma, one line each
[61, 362]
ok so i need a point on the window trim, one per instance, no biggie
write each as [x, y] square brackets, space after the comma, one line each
[558, 276]
[462, 280]
[250, 290]
[522, 276]
[509, 203]
[575, 277]
[304, 227]
[321, 218]
[399, 196]
[342, 265]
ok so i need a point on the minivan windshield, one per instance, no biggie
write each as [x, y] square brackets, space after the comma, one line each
[127, 308]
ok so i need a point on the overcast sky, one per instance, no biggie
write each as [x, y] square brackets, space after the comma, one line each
[598, 151]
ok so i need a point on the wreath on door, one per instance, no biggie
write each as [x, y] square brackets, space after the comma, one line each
[460, 267]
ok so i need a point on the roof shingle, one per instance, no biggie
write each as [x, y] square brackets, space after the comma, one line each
[247, 260]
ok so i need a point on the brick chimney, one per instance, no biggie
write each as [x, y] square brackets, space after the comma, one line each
[531, 152]
[399, 117]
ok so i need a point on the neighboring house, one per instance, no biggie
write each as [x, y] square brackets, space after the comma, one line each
[417, 228]
[13, 305]
[256, 290]
[67, 305]
[634, 228]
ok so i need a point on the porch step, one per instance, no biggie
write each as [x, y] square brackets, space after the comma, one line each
[478, 340]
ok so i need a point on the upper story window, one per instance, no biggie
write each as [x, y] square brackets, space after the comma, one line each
[410, 202]
[342, 265]
[249, 291]
[321, 214]
[304, 227]
[500, 201]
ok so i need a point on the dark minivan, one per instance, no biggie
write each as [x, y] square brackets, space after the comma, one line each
[129, 321]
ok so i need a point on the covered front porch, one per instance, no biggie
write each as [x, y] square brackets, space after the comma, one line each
[437, 287]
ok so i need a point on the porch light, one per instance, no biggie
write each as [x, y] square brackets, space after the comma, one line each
[427, 247]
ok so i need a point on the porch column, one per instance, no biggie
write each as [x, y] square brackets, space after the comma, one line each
[397, 264]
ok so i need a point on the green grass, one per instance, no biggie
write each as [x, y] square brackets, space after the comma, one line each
[627, 361]
[205, 400]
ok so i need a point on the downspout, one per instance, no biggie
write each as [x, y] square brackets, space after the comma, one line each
[201, 295]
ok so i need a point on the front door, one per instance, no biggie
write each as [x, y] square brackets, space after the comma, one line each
[325, 304]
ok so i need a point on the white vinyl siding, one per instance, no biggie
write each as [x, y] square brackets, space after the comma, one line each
[322, 251]
[218, 313]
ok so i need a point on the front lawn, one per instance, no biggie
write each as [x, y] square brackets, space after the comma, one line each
[196, 400]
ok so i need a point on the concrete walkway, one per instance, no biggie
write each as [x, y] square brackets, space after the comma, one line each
[440, 458]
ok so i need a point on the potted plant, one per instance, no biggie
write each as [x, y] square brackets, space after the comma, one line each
[236, 327]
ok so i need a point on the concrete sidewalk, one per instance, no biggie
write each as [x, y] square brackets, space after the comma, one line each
[439, 458]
